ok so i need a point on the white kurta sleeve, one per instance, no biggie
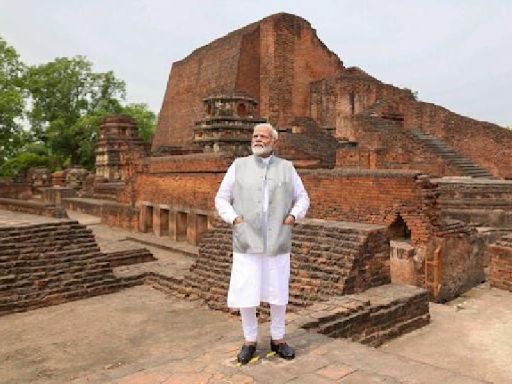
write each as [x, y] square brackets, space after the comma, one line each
[300, 197]
[224, 197]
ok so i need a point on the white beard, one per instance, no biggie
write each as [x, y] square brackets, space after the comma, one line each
[261, 151]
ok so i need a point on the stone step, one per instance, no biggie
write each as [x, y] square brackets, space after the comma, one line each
[477, 203]
[129, 257]
[466, 166]
[373, 317]
[165, 244]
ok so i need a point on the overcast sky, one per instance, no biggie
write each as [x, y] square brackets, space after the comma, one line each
[454, 53]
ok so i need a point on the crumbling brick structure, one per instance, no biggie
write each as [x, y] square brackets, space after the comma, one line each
[51, 263]
[272, 60]
[368, 152]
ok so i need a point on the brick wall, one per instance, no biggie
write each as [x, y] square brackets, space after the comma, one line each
[12, 190]
[201, 162]
[500, 272]
[308, 150]
[292, 56]
[111, 213]
[368, 196]
[209, 68]
[187, 190]
[33, 207]
[345, 95]
[249, 65]
[478, 202]
[374, 196]
[461, 260]
[51, 263]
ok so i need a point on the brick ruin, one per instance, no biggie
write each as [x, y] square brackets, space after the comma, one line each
[53, 262]
[402, 191]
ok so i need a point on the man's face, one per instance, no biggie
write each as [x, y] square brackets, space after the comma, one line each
[262, 142]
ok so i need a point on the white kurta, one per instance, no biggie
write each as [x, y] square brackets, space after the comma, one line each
[257, 277]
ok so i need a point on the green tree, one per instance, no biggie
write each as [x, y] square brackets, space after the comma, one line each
[146, 119]
[12, 101]
[68, 100]
[22, 161]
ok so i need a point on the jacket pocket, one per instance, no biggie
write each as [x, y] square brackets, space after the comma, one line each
[240, 241]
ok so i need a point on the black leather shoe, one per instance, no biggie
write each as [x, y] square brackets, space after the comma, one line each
[283, 350]
[246, 353]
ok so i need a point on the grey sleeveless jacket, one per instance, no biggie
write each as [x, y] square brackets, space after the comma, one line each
[251, 173]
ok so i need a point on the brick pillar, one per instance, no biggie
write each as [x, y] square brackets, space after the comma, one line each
[163, 227]
[142, 218]
[191, 229]
[201, 226]
[172, 225]
[146, 219]
[197, 225]
[181, 226]
[156, 221]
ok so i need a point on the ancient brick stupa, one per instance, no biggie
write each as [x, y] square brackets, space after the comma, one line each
[118, 135]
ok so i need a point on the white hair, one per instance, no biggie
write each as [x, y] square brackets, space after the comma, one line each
[273, 131]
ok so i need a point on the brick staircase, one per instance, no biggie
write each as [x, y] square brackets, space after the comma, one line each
[385, 128]
[50, 263]
[371, 317]
[466, 166]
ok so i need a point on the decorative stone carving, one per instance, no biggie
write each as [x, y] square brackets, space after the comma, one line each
[228, 125]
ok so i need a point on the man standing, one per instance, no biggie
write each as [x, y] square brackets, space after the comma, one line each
[261, 196]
